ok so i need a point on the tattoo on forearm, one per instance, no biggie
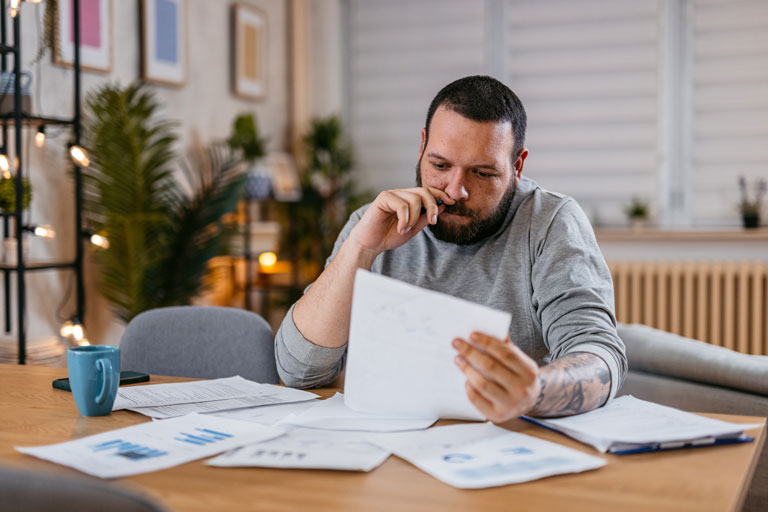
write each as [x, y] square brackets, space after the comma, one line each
[572, 384]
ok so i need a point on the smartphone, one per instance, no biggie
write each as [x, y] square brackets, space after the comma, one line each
[126, 377]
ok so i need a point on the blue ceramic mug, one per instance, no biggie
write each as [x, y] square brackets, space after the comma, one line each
[94, 374]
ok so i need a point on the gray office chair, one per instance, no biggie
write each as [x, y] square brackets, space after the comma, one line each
[23, 490]
[698, 377]
[200, 342]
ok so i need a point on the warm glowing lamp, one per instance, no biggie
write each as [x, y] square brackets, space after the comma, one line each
[267, 259]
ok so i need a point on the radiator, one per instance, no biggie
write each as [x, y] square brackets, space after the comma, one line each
[723, 303]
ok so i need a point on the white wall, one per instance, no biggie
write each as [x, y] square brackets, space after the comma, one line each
[204, 108]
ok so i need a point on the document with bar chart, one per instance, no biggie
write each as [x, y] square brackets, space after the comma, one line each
[153, 446]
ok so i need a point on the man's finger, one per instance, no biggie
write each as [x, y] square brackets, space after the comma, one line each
[486, 364]
[489, 388]
[507, 353]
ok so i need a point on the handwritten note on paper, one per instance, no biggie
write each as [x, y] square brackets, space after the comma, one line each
[400, 358]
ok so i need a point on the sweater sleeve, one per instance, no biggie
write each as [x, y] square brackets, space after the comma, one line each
[301, 363]
[573, 292]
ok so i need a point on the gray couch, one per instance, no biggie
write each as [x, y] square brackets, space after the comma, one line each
[699, 377]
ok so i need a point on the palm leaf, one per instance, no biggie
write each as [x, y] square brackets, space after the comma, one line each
[161, 234]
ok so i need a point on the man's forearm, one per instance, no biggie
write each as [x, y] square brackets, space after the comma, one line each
[573, 384]
[322, 314]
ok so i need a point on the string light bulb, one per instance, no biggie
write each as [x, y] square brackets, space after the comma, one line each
[66, 329]
[5, 166]
[99, 241]
[43, 231]
[40, 137]
[79, 155]
[13, 7]
[73, 329]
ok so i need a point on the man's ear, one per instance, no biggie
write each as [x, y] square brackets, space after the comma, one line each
[518, 170]
[423, 141]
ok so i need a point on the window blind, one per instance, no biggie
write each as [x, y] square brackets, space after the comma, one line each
[729, 105]
[399, 54]
[588, 75]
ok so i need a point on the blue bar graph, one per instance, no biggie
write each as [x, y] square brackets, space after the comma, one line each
[127, 450]
[202, 437]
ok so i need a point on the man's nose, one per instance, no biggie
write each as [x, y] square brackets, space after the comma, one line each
[455, 187]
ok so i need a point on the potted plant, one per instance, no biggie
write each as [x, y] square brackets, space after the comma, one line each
[328, 193]
[163, 226]
[750, 209]
[637, 211]
[245, 139]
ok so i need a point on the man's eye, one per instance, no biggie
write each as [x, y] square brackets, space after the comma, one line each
[440, 166]
[483, 174]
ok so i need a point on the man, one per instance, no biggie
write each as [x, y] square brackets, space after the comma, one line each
[497, 239]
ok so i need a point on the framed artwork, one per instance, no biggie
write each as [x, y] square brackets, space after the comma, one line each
[249, 52]
[95, 35]
[286, 184]
[164, 41]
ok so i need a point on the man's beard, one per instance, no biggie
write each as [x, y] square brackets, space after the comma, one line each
[478, 228]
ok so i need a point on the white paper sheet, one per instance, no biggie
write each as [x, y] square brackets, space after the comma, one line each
[400, 358]
[153, 446]
[474, 456]
[268, 414]
[628, 420]
[308, 449]
[203, 391]
[333, 414]
[280, 396]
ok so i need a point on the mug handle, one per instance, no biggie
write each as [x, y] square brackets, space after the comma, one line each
[105, 366]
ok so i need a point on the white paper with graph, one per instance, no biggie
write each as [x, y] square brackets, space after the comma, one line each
[308, 449]
[477, 455]
[400, 361]
[153, 446]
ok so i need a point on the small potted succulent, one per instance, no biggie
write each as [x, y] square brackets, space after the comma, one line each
[750, 208]
[637, 211]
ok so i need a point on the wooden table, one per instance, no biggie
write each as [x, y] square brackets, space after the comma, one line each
[714, 478]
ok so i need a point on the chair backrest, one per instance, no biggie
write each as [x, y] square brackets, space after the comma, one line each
[23, 490]
[201, 342]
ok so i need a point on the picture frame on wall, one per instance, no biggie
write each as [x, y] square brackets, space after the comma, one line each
[164, 41]
[95, 35]
[249, 52]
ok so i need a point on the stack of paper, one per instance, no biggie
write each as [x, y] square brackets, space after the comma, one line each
[629, 425]
[171, 400]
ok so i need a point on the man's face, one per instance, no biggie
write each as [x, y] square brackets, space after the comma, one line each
[470, 161]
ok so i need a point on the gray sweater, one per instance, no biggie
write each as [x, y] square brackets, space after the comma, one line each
[543, 266]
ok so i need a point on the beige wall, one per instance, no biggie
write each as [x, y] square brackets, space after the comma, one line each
[204, 108]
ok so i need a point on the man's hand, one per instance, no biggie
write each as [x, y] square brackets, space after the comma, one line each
[502, 381]
[395, 216]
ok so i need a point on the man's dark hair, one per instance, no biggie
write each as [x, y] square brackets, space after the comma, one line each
[483, 99]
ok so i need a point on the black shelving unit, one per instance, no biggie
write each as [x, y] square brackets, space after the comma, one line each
[20, 121]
